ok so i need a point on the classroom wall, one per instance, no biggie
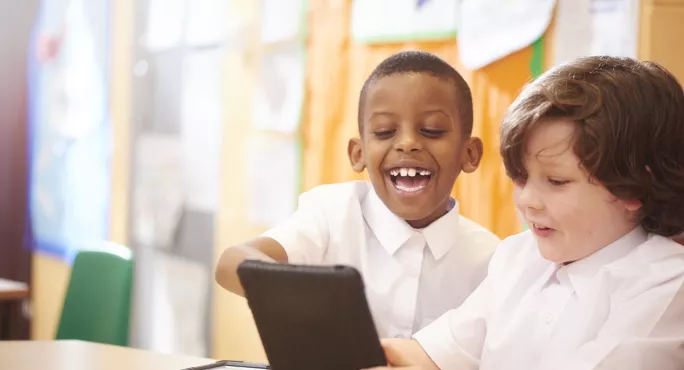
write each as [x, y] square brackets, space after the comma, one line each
[661, 30]
[50, 275]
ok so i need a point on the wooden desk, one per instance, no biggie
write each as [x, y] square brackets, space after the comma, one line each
[12, 297]
[13, 290]
[78, 355]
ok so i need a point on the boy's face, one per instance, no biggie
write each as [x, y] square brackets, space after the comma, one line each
[570, 216]
[413, 146]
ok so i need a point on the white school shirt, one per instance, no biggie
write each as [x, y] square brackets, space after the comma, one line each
[620, 308]
[408, 285]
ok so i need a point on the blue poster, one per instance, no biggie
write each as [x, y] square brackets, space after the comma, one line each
[69, 127]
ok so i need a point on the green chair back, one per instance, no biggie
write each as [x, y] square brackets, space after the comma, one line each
[97, 304]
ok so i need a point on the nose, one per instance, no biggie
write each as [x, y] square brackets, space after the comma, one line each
[527, 198]
[408, 141]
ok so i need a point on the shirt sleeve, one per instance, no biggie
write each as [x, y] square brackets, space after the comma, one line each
[305, 234]
[455, 340]
[643, 332]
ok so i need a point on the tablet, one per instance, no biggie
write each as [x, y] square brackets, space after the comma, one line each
[231, 365]
[311, 317]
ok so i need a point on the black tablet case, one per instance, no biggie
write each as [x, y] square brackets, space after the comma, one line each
[311, 317]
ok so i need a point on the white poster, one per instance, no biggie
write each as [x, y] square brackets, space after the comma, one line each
[164, 24]
[158, 193]
[401, 20]
[207, 22]
[282, 20]
[272, 178]
[280, 92]
[596, 27]
[493, 29]
[201, 129]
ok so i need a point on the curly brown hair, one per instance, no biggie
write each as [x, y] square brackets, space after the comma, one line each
[630, 120]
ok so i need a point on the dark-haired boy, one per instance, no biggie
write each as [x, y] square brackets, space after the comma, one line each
[402, 231]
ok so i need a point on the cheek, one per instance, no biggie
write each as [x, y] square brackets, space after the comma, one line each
[516, 196]
[586, 214]
[373, 155]
[568, 208]
[444, 154]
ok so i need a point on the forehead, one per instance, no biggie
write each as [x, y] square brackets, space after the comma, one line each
[410, 90]
[551, 143]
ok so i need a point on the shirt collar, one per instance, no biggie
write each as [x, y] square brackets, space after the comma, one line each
[440, 235]
[392, 231]
[581, 273]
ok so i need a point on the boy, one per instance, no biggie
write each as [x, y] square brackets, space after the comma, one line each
[594, 148]
[417, 256]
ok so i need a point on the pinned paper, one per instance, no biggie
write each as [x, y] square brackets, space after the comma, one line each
[201, 129]
[280, 92]
[596, 27]
[272, 178]
[404, 20]
[492, 29]
[158, 192]
[282, 20]
[164, 24]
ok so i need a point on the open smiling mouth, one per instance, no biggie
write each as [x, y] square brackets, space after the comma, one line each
[410, 179]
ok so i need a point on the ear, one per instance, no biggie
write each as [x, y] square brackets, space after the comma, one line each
[472, 154]
[632, 205]
[355, 153]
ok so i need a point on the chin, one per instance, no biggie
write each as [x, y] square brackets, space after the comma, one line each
[551, 253]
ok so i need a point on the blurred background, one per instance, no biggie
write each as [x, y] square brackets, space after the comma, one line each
[162, 131]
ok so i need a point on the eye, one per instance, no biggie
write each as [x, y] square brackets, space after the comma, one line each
[432, 133]
[384, 134]
[556, 182]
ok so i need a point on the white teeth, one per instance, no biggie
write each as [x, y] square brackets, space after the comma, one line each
[410, 189]
[409, 171]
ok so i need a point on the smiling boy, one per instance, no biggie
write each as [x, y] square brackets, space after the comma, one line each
[402, 231]
[594, 149]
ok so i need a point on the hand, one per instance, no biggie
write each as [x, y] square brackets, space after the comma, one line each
[405, 354]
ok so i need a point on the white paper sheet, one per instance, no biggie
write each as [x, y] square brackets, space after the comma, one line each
[282, 20]
[164, 24]
[397, 20]
[158, 192]
[596, 27]
[169, 304]
[208, 22]
[272, 179]
[201, 129]
[280, 91]
[493, 29]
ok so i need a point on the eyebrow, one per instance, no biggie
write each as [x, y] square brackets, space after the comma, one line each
[434, 111]
[382, 113]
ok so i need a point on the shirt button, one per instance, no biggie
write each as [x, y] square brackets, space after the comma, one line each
[549, 318]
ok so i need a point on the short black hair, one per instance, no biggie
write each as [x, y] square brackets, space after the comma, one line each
[423, 62]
